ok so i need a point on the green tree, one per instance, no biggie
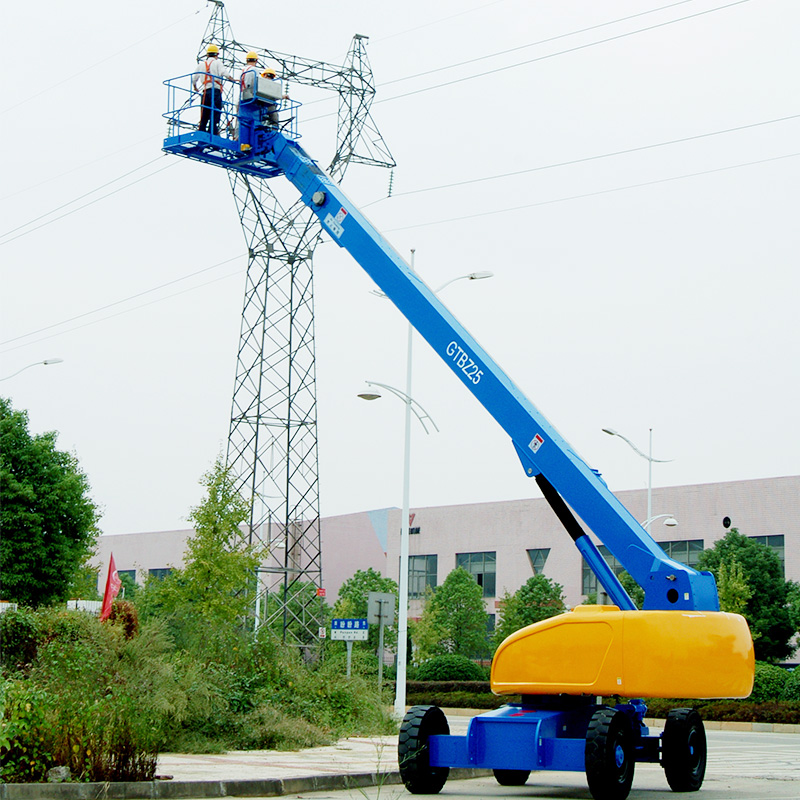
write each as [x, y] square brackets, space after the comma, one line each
[453, 620]
[207, 601]
[766, 609]
[537, 599]
[48, 520]
[353, 600]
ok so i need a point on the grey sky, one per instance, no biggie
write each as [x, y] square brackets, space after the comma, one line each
[652, 288]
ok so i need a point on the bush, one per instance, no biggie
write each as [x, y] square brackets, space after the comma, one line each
[791, 690]
[24, 757]
[769, 683]
[123, 613]
[19, 637]
[450, 668]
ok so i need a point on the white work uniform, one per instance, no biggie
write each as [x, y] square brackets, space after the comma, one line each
[210, 73]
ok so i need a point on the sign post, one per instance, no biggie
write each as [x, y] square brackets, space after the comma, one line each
[380, 611]
[349, 631]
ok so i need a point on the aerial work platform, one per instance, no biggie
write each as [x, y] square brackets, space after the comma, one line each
[184, 106]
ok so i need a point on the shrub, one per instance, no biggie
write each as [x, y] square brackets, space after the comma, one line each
[769, 683]
[24, 757]
[107, 698]
[19, 637]
[450, 668]
[791, 690]
[123, 613]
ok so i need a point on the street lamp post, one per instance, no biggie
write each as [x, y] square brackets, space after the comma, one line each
[402, 612]
[649, 458]
[45, 363]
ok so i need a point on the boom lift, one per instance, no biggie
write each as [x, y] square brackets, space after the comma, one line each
[679, 645]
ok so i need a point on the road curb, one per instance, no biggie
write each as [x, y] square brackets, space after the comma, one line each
[198, 790]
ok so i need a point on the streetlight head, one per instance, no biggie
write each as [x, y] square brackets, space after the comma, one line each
[53, 361]
[610, 431]
[369, 395]
[671, 522]
[478, 276]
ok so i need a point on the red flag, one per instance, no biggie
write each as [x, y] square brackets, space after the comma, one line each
[113, 584]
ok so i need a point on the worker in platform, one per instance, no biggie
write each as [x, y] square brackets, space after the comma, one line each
[249, 108]
[258, 100]
[208, 81]
[272, 108]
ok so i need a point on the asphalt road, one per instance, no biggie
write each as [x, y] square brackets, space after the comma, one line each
[741, 766]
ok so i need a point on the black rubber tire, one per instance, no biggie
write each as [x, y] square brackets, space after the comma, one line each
[419, 723]
[609, 754]
[511, 777]
[683, 750]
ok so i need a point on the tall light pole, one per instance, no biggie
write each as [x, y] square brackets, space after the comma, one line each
[649, 458]
[45, 363]
[402, 612]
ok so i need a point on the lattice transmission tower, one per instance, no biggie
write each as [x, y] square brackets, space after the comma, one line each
[272, 442]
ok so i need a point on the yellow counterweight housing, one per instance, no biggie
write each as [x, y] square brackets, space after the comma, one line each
[601, 650]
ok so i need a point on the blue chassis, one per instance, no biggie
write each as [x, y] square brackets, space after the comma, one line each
[519, 736]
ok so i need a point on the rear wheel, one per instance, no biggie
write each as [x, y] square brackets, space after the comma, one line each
[683, 750]
[511, 777]
[609, 755]
[413, 753]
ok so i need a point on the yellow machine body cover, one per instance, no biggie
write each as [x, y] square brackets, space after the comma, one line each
[601, 650]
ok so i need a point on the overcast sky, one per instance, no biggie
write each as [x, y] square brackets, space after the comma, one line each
[629, 170]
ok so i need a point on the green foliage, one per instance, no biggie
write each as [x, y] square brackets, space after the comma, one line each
[49, 523]
[453, 620]
[791, 689]
[766, 610]
[207, 601]
[732, 587]
[451, 667]
[123, 613]
[352, 602]
[19, 637]
[769, 684]
[630, 585]
[23, 749]
[537, 599]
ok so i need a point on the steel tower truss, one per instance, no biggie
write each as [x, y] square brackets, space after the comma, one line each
[272, 442]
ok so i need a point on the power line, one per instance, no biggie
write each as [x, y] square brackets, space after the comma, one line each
[575, 49]
[76, 199]
[596, 194]
[535, 44]
[61, 82]
[597, 157]
[92, 202]
[120, 302]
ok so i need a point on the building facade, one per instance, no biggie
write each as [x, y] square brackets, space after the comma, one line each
[502, 544]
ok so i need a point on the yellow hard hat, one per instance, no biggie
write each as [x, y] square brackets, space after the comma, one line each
[269, 73]
[212, 50]
[251, 56]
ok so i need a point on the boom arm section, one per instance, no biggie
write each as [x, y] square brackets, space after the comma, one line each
[667, 583]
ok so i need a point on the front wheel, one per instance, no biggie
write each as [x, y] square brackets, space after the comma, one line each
[609, 754]
[413, 753]
[683, 750]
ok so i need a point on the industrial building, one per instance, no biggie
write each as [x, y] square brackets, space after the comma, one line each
[503, 543]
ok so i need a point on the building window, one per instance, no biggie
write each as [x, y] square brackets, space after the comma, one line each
[537, 558]
[482, 567]
[775, 543]
[687, 551]
[422, 572]
[131, 573]
[589, 579]
[160, 574]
